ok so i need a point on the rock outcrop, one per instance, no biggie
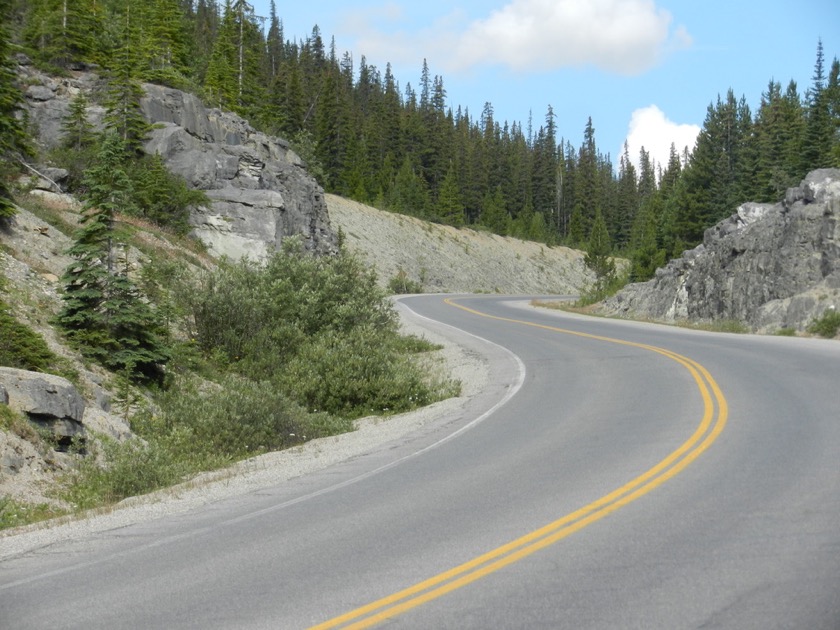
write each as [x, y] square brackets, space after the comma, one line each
[260, 190]
[769, 266]
[48, 401]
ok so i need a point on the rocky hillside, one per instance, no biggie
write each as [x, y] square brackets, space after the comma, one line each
[441, 258]
[769, 266]
[259, 189]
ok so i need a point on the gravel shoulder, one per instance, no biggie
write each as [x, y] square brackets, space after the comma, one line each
[251, 475]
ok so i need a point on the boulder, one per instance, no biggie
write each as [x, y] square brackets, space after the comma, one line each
[49, 401]
[769, 266]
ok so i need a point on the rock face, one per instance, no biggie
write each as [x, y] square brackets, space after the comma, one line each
[47, 400]
[259, 188]
[770, 266]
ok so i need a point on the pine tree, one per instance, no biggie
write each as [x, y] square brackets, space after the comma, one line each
[14, 143]
[544, 165]
[78, 131]
[123, 115]
[160, 196]
[717, 175]
[833, 98]
[64, 31]
[164, 42]
[646, 255]
[627, 198]
[220, 80]
[408, 194]
[818, 130]
[275, 49]
[494, 215]
[777, 142]
[587, 186]
[449, 206]
[598, 253]
[104, 314]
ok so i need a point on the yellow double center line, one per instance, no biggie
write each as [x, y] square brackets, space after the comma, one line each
[714, 419]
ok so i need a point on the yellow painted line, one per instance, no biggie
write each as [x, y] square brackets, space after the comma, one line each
[710, 427]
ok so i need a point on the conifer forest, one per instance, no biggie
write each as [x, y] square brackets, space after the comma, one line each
[400, 147]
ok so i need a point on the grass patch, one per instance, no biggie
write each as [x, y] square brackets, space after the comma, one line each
[17, 513]
[24, 349]
[827, 325]
[50, 213]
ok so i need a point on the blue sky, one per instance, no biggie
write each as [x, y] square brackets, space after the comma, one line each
[644, 70]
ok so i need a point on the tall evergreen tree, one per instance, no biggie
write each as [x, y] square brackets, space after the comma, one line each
[78, 130]
[833, 97]
[598, 253]
[816, 149]
[14, 143]
[104, 314]
[450, 210]
[64, 31]
[627, 198]
[123, 115]
[587, 185]
[777, 142]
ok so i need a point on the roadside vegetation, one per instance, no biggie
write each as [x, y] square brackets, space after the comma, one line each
[827, 325]
[256, 357]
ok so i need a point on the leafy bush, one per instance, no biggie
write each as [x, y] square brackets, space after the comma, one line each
[131, 468]
[320, 328]
[827, 325]
[260, 316]
[197, 427]
[602, 289]
[362, 372]
[238, 418]
[401, 284]
[15, 423]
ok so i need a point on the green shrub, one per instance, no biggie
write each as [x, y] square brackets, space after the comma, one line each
[238, 418]
[260, 317]
[602, 289]
[401, 284]
[827, 325]
[359, 373]
[130, 468]
[25, 349]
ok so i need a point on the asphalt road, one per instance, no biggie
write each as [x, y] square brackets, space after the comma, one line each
[613, 475]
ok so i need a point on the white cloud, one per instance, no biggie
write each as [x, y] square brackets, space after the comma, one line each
[620, 36]
[649, 128]
[625, 37]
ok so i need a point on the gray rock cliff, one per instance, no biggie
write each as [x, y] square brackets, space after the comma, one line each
[260, 190]
[770, 266]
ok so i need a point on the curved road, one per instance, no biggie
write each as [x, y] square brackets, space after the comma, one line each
[612, 475]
